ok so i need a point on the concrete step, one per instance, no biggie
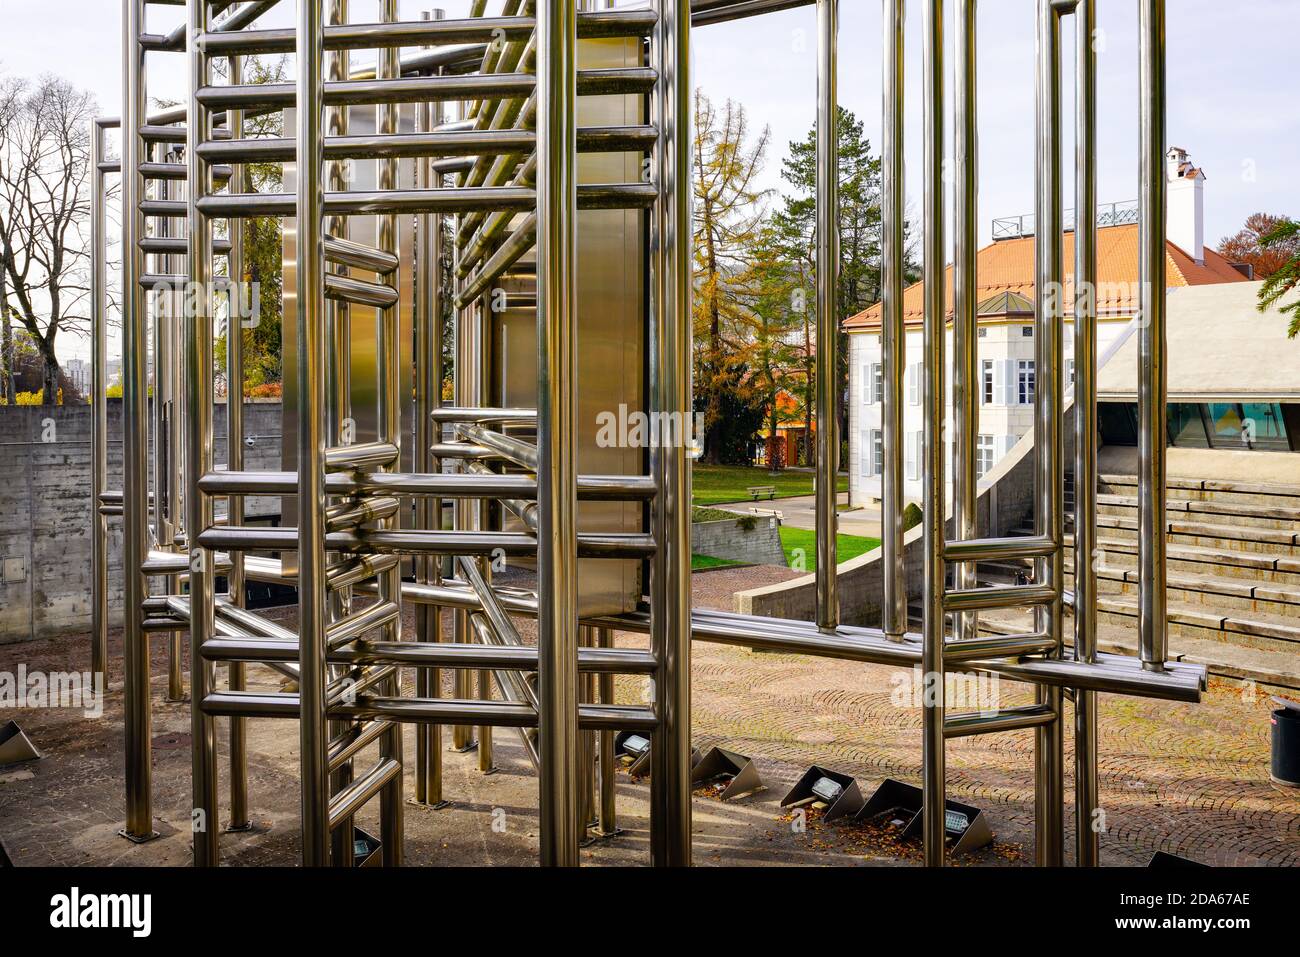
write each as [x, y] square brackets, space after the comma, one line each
[1249, 514]
[1273, 541]
[1208, 591]
[1270, 667]
[1211, 490]
[1204, 560]
[1248, 629]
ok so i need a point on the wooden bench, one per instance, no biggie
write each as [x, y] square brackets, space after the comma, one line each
[758, 491]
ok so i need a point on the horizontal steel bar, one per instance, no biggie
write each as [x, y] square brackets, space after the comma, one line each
[348, 253]
[598, 717]
[707, 12]
[176, 246]
[993, 549]
[414, 654]
[372, 36]
[451, 413]
[374, 202]
[176, 563]
[358, 512]
[1115, 674]
[283, 149]
[998, 646]
[516, 450]
[412, 542]
[424, 89]
[609, 488]
[359, 291]
[1013, 596]
[963, 724]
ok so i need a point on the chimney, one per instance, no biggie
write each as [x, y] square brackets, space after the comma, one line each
[1185, 222]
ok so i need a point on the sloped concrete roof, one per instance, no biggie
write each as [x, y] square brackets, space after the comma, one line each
[1220, 347]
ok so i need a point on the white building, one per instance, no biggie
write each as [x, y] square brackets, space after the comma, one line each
[1005, 298]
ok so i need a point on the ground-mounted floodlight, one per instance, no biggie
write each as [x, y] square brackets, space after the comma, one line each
[838, 793]
[15, 746]
[734, 773]
[367, 851]
[899, 805]
[633, 749]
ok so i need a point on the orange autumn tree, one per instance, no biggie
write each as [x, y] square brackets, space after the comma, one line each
[729, 213]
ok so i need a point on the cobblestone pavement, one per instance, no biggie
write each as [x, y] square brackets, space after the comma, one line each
[1189, 779]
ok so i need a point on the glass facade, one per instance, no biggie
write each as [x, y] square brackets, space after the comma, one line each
[1264, 426]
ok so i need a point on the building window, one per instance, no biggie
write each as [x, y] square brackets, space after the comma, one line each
[983, 455]
[914, 383]
[877, 453]
[876, 383]
[986, 381]
[983, 332]
[1025, 382]
[1069, 372]
[1027, 331]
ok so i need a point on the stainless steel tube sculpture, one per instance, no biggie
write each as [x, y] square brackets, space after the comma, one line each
[514, 186]
[828, 333]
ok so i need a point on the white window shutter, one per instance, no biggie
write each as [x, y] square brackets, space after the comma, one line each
[1009, 382]
[1005, 444]
[864, 453]
[868, 392]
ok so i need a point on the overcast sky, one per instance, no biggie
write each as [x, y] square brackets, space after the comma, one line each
[1231, 96]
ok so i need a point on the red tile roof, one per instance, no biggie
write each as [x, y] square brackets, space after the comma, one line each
[1008, 266]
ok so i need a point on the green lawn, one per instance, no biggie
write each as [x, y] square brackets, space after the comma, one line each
[795, 539]
[727, 483]
[708, 561]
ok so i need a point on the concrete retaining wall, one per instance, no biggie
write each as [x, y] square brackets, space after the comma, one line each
[1006, 496]
[730, 539]
[46, 512]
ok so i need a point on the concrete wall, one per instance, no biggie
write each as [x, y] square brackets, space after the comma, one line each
[730, 539]
[1005, 499]
[46, 514]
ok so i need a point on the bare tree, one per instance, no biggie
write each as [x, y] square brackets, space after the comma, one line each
[44, 205]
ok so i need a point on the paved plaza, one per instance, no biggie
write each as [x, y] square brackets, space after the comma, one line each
[1188, 779]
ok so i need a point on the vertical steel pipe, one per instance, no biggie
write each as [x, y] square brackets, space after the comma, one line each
[99, 411]
[236, 673]
[932, 667]
[1153, 638]
[1048, 438]
[135, 443]
[428, 396]
[893, 334]
[339, 425]
[965, 337]
[828, 334]
[670, 397]
[1085, 428]
[197, 336]
[557, 543]
[165, 428]
[313, 613]
[607, 825]
[390, 430]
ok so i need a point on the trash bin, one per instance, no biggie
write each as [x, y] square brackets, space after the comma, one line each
[1285, 767]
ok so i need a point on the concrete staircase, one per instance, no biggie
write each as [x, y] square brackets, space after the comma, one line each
[1233, 576]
